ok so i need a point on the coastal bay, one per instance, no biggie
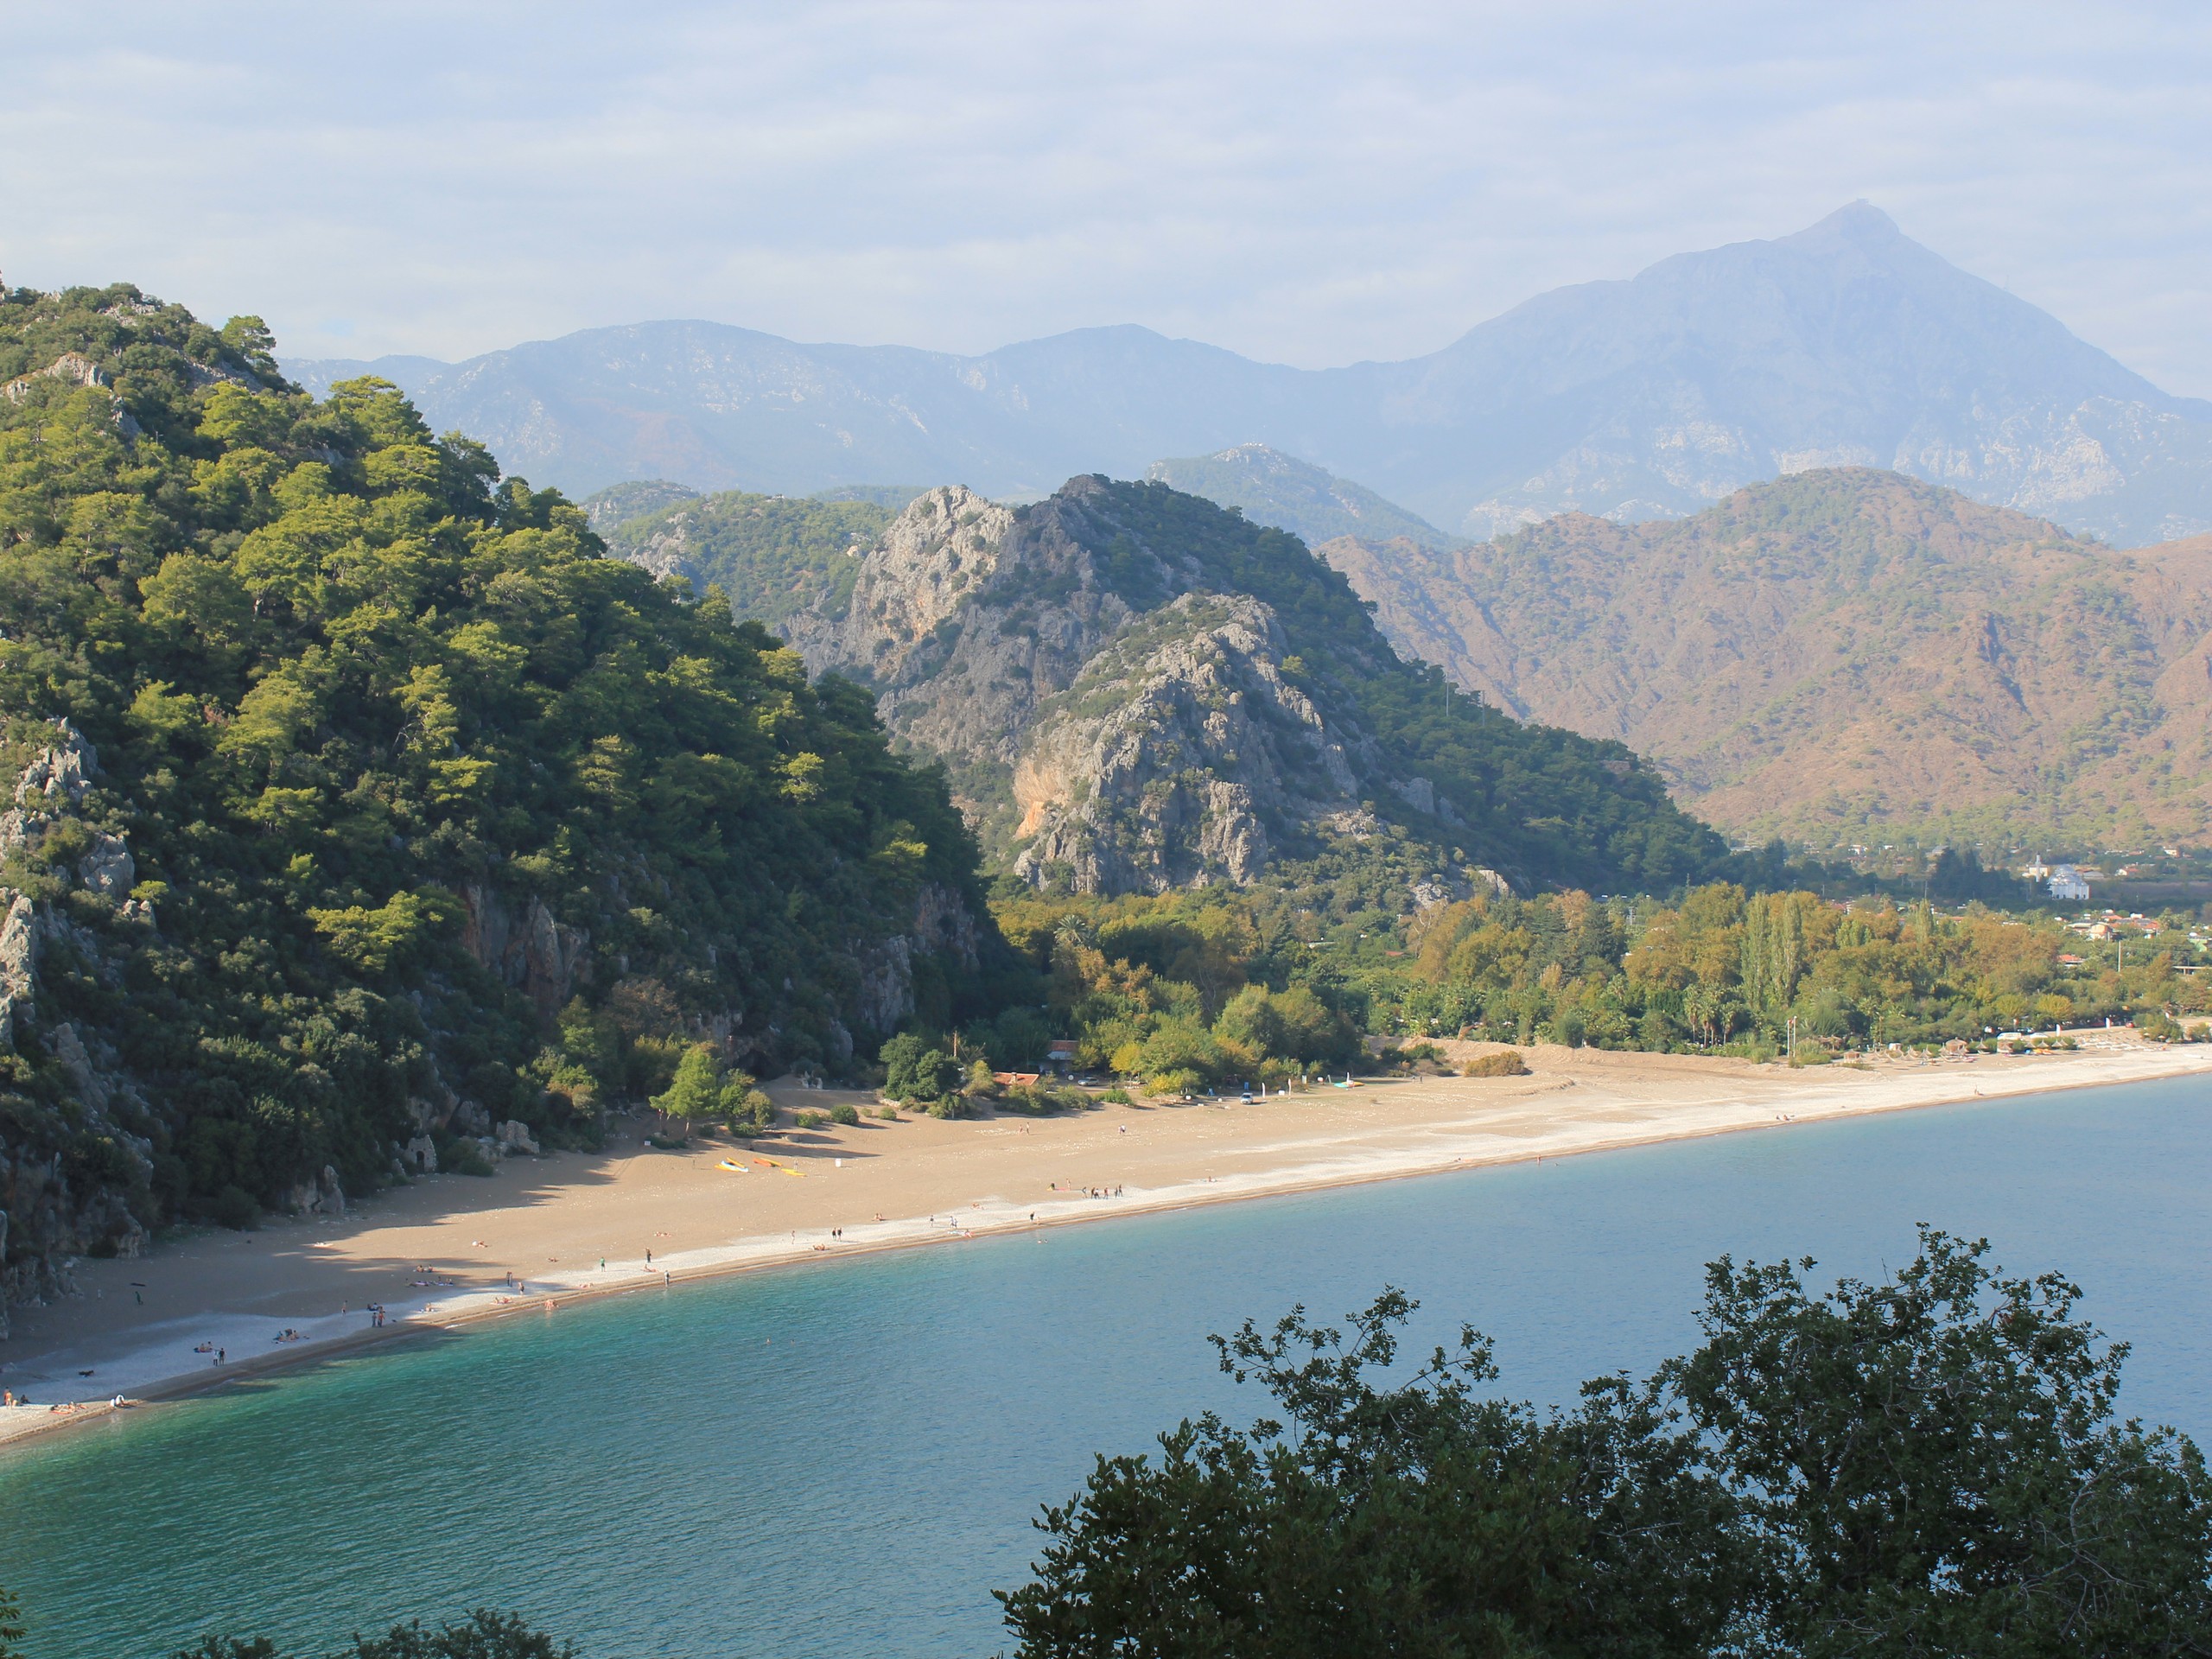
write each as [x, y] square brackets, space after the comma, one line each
[843, 1459]
[452, 1250]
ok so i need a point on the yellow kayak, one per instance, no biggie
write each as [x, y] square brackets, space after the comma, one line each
[735, 1168]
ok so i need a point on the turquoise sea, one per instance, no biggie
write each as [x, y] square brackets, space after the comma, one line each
[843, 1459]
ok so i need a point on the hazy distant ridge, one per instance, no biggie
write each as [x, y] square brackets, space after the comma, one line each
[1845, 344]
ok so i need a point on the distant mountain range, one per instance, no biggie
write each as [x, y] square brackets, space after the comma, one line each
[1845, 344]
[1839, 655]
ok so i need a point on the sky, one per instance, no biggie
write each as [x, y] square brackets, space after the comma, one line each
[1307, 184]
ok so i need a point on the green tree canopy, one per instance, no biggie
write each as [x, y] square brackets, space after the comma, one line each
[1928, 1465]
[378, 766]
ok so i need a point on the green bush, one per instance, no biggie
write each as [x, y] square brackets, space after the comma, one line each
[1507, 1062]
[234, 1208]
[811, 1119]
[464, 1157]
[1117, 1096]
[1043, 1099]
[844, 1112]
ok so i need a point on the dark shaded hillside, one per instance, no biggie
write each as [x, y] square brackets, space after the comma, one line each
[1845, 652]
[360, 802]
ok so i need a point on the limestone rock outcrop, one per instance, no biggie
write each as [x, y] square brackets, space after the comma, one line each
[1166, 761]
[1111, 721]
[535, 951]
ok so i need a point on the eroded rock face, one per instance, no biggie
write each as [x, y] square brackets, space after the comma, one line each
[963, 620]
[944, 925]
[1165, 763]
[108, 869]
[1106, 726]
[59, 774]
[534, 951]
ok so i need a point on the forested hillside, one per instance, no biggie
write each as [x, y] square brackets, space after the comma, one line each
[771, 554]
[1845, 656]
[359, 801]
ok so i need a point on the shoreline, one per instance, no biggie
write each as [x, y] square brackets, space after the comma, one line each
[1574, 1102]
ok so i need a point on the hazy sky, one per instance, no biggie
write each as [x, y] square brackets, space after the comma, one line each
[1311, 184]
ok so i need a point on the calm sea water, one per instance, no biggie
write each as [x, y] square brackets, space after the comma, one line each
[844, 1459]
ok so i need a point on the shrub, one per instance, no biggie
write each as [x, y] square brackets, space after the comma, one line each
[913, 1071]
[844, 1112]
[1040, 1099]
[464, 1157]
[1507, 1062]
[947, 1106]
[1118, 1097]
[887, 1113]
[234, 1208]
[811, 1119]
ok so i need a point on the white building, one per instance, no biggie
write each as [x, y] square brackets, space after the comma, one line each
[2068, 883]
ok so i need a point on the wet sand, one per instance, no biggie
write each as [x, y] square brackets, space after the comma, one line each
[440, 1252]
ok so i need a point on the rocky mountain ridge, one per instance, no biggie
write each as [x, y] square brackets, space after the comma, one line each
[1132, 689]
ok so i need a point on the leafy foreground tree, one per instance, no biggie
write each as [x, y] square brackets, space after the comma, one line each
[484, 1634]
[1929, 1465]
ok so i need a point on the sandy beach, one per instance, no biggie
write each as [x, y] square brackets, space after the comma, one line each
[452, 1248]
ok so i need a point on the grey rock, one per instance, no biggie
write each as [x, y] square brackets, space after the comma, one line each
[535, 951]
[107, 869]
[62, 770]
[69, 1050]
[71, 368]
[514, 1135]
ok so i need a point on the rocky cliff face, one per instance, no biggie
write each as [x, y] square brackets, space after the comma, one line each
[71, 1172]
[1180, 756]
[1120, 697]
[963, 620]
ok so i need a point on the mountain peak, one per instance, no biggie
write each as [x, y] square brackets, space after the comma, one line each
[1859, 224]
